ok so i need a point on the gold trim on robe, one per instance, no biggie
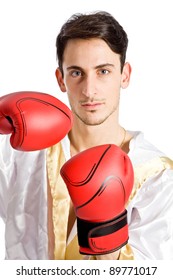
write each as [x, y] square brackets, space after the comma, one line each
[59, 204]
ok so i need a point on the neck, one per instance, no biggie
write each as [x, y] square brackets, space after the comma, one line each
[84, 136]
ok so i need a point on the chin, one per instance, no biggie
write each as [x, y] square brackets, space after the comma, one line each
[93, 122]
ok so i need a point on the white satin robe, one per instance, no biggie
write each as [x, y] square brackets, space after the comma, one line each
[23, 203]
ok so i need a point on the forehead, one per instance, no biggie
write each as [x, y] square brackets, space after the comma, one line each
[88, 51]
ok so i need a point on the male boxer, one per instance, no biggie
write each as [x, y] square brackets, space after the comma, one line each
[46, 197]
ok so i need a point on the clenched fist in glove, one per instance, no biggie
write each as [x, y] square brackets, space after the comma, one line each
[99, 181]
[35, 120]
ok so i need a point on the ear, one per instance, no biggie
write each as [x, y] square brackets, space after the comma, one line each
[60, 80]
[126, 73]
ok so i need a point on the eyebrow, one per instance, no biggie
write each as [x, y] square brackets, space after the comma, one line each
[96, 67]
[104, 65]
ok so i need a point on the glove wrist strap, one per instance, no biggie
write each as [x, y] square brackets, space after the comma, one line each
[102, 237]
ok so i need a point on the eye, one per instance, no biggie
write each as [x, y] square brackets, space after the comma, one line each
[103, 71]
[76, 73]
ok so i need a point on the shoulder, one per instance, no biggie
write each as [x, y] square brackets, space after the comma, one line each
[141, 150]
[151, 167]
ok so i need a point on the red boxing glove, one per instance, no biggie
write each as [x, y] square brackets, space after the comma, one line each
[36, 120]
[99, 181]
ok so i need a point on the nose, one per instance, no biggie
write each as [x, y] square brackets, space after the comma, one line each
[89, 86]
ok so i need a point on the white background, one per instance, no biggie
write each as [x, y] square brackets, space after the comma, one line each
[28, 30]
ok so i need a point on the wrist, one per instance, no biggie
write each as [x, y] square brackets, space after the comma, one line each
[111, 256]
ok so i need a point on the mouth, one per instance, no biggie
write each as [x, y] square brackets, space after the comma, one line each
[92, 105]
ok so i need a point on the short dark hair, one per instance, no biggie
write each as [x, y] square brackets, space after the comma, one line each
[93, 25]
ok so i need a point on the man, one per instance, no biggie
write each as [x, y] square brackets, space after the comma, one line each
[91, 51]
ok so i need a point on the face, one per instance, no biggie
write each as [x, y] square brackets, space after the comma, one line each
[92, 79]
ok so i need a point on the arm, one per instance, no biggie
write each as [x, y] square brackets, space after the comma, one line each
[151, 218]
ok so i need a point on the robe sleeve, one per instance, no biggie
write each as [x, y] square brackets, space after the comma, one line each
[6, 166]
[151, 218]
[150, 212]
